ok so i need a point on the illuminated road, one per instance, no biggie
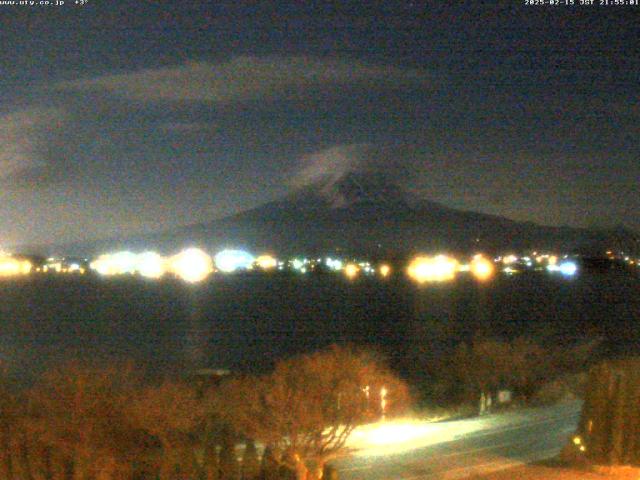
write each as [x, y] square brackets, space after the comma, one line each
[459, 449]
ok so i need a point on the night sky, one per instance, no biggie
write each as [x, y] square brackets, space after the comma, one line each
[124, 117]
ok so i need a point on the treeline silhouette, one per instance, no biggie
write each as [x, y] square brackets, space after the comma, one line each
[80, 422]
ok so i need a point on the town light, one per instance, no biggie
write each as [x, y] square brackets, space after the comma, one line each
[385, 270]
[568, 268]
[231, 260]
[433, 269]
[266, 262]
[351, 270]
[481, 268]
[150, 265]
[509, 259]
[118, 263]
[10, 266]
[191, 265]
[333, 264]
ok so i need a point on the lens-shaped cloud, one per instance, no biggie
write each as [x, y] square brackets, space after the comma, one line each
[245, 78]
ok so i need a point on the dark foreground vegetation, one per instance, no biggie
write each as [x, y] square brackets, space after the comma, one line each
[608, 430]
[88, 423]
[102, 423]
[529, 371]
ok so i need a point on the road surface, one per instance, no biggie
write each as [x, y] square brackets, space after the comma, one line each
[410, 450]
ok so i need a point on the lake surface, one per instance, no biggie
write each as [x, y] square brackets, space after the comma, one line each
[248, 321]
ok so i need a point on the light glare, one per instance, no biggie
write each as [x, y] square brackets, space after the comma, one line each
[191, 265]
[10, 267]
[351, 270]
[568, 268]
[385, 270]
[150, 265]
[433, 269]
[266, 262]
[229, 261]
[481, 268]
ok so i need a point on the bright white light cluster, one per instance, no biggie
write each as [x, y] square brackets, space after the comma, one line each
[266, 262]
[194, 265]
[566, 268]
[440, 268]
[333, 264]
[301, 265]
[190, 265]
[150, 265]
[533, 261]
[11, 267]
[366, 267]
[229, 261]
[123, 263]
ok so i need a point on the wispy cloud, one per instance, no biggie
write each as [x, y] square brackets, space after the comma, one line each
[245, 78]
[330, 165]
[24, 137]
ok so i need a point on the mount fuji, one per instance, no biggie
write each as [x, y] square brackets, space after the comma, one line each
[365, 214]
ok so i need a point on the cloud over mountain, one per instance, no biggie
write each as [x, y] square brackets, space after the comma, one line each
[337, 170]
[332, 164]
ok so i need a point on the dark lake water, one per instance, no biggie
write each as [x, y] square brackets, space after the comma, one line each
[246, 322]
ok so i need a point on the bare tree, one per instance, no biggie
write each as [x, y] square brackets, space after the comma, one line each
[171, 413]
[307, 408]
[608, 429]
[523, 365]
[76, 421]
[250, 463]
[9, 411]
